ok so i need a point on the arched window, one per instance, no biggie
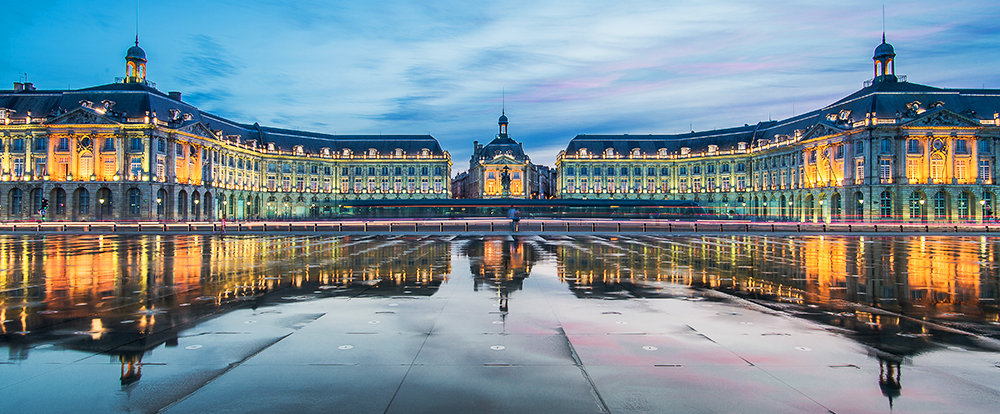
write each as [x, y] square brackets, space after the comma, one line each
[134, 201]
[940, 206]
[916, 205]
[885, 205]
[83, 201]
[859, 205]
[964, 200]
[15, 201]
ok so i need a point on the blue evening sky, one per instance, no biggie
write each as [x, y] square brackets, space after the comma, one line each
[441, 67]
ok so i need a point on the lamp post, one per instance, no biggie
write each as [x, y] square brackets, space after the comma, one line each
[923, 214]
[159, 208]
[100, 211]
[197, 211]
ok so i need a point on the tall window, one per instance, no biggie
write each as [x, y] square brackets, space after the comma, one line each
[960, 170]
[885, 171]
[18, 167]
[940, 206]
[913, 146]
[913, 170]
[916, 207]
[985, 172]
[134, 201]
[109, 168]
[886, 146]
[937, 168]
[859, 172]
[885, 205]
[984, 147]
[963, 205]
[15, 201]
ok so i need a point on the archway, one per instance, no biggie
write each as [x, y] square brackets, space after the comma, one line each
[918, 207]
[836, 207]
[885, 206]
[182, 205]
[104, 203]
[14, 202]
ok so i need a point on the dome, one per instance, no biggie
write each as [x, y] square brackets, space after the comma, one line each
[884, 49]
[503, 119]
[136, 52]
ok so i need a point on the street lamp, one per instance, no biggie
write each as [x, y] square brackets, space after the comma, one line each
[100, 212]
[159, 208]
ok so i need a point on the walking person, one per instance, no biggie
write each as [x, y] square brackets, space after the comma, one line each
[515, 218]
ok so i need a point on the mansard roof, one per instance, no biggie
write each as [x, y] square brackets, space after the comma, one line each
[135, 100]
[890, 99]
[501, 146]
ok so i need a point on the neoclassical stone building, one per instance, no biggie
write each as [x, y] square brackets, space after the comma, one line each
[501, 169]
[127, 151]
[893, 151]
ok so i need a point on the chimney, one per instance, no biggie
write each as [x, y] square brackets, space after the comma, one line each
[18, 86]
[175, 96]
[28, 86]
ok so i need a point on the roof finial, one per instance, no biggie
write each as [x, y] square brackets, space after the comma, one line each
[503, 101]
[883, 23]
[137, 22]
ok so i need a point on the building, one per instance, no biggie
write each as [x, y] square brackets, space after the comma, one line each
[126, 151]
[501, 169]
[893, 151]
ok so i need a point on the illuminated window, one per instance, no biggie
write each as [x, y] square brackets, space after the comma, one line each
[135, 166]
[438, 185]
[913, 146]
[570, 187]
[985, 172]
[18, 167]
[885, 171]
[913, 169]
[885, 205]
[937, 168]
[109, 168]
[725, 183]
[859, 172]
[940, 205]
[960, 167]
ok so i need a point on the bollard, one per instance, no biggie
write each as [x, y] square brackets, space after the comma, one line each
[139, 227]
[746, 228]
[466, 226]
[848, 228]
[956, 229]
[88, 227]
[619, 227]
[38, 227]
[14, 228]
[414, 227]
[64, 227]
[189, 227]
[491, 226]
[239, 226]
[670, 227]
[567, 227]
[643, 227]
[927, 229]
[720, 228]
[390, 227]
[542, 226]
[262, 229]
[876, 228]
[366, 227]
[289, 226]
[824, 227]
[340, 226]
[315, 227]
[900, 228]
[593, 227]
[798, 228]
[696, 227]
[772, 228]
[114, 227]
[441, 227]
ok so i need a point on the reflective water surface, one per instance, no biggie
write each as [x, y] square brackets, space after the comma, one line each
[182, 320]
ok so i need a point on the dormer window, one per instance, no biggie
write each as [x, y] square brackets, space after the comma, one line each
[346, 152]
[270, 146]
[299, 150]
[399, 152]
[712, 149]
[663, 152]
[583, 152]
[742, 146]
[636, 153]
[372, 152]
[610, 152]
[425, 152]
[325, 151]
[685, 150]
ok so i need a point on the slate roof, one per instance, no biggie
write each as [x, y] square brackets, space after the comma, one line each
[134, 100]
[886, 99]
[501, 145]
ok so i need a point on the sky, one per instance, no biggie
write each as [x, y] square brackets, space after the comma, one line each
[448, 68]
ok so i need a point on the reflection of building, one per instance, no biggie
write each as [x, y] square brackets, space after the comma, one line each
[127, 150]
[891, 151]
[127, 296]
[501, 169]
[500, 262]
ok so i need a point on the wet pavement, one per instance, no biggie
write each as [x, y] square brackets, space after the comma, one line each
[507, 323]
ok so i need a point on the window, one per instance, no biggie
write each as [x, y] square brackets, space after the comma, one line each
[83, 201]
[424, 171]
[135, 144]
[15, 201]
[916, 206]
[624, 171]
[314, 169]
[371, 170]
[913, 146]
[161, 145]
[740, 167]
[651, 171]
[725, 183]
[437, 170]
[637, 171]
[839, 154]
[961, 146]
[438, 185]
[17, 145]
[41, 144]
[913, 170]
[597, 170]
[682, 171]
[940, 206]
[710, 168]
[411, 170]
[885, 205]
[399, 171]
[665, 171]
[134, 201]
[583, 170]
[859, 172]
[696, 169]
[937, 168]
[357, 170]
[725, 168]
[326, 170]
[960, 167]
[63, 144]
[18, 167]
[859, 148]
[135, 167]
[985, 172]
[110, 169]
[984, 147]
[885, 171]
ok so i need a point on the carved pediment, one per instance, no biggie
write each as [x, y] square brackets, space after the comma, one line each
[821, 130]
[199, 129]
[943, 117]
[81, 116]
[504, 159]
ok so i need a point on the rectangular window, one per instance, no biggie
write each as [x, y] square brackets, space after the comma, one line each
[178, 146]
[570, 188]
[985, 172]
[725, 183]
[371, 185]
[984, 147]
[300, 184]
[960, 166]
[859, 148]
[937, 170]
[371, 170]
[286, 184]
[326, 185]
[135, 167]
[63, 144]
[913, 170]
[109, 168]
[314, 184]
[886, 146]
[397, 187]
[18, 167]
[357, 185]
[839, 154]
[961, 147]
[345, 185]
[385, 185]
[741, 183]
[913, 146]
[17, 145]
[885, 171]
[859, 172]
[438, 186]
[271, 183]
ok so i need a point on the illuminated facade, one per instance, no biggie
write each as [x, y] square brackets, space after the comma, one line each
[891, 152]
[501, 169]
[127, 151]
